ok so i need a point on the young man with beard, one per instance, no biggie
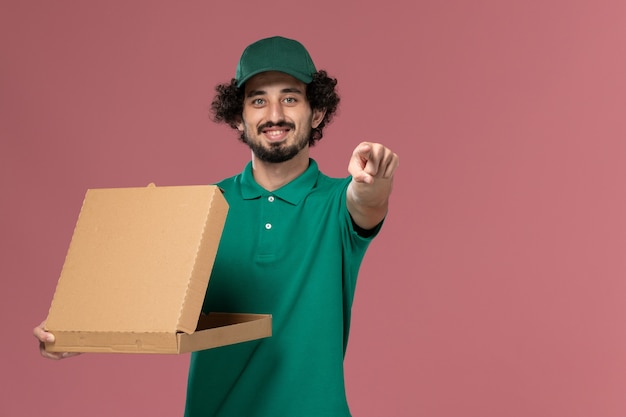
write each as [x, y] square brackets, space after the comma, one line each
[292, 244]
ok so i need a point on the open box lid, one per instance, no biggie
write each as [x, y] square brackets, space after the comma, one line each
[137, 268]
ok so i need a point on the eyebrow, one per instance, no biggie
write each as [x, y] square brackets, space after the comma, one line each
[255, 93]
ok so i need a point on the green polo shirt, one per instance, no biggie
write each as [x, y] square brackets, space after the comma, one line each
[295, 254]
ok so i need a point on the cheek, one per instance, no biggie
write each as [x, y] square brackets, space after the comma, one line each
[249, 118]
[245, 121]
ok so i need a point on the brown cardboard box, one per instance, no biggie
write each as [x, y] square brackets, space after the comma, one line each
[136, 273]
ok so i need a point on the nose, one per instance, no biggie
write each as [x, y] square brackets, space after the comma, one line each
[275, 112]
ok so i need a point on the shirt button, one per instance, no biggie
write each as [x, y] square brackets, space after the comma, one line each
[268, 226]
[270, 199]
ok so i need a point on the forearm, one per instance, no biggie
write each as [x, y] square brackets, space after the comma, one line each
[368, 203]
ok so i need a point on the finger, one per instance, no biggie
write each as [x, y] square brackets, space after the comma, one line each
[360, 174]
[372, 154]
[363, 150]
[390, 165]
[42, 335]
[381, 163]
[55, 355]
[358, 162]
[49, 355]
[363, 177]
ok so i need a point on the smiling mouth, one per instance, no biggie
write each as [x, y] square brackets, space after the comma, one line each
[281, 127]
[276, 132]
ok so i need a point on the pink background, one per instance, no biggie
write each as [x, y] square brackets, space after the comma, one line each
[497, 287]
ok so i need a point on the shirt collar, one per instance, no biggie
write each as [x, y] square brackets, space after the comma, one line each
[292, 192]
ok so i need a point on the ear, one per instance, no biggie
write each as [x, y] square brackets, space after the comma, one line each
[240, 125]
[318, 116]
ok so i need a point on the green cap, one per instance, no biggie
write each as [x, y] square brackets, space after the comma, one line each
[275, 54]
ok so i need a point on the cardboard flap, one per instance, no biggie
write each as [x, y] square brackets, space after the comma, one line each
[139, 260]
[220, 329]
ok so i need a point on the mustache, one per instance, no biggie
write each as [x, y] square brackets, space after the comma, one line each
[277, 124]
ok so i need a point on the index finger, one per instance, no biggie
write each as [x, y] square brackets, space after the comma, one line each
[364, 150]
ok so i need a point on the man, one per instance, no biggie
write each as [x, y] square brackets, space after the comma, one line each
[292, 244]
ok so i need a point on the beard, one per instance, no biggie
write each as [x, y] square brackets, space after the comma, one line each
[276, 152]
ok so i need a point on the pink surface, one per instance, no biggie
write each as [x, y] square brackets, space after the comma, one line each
[497, 286]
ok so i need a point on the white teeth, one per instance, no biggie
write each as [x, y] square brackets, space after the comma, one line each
[275, 132]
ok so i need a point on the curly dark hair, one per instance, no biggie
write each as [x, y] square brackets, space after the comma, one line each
[227, 105]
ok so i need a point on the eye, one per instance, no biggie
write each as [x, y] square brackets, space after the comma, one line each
[290, 100]
[258, 102]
